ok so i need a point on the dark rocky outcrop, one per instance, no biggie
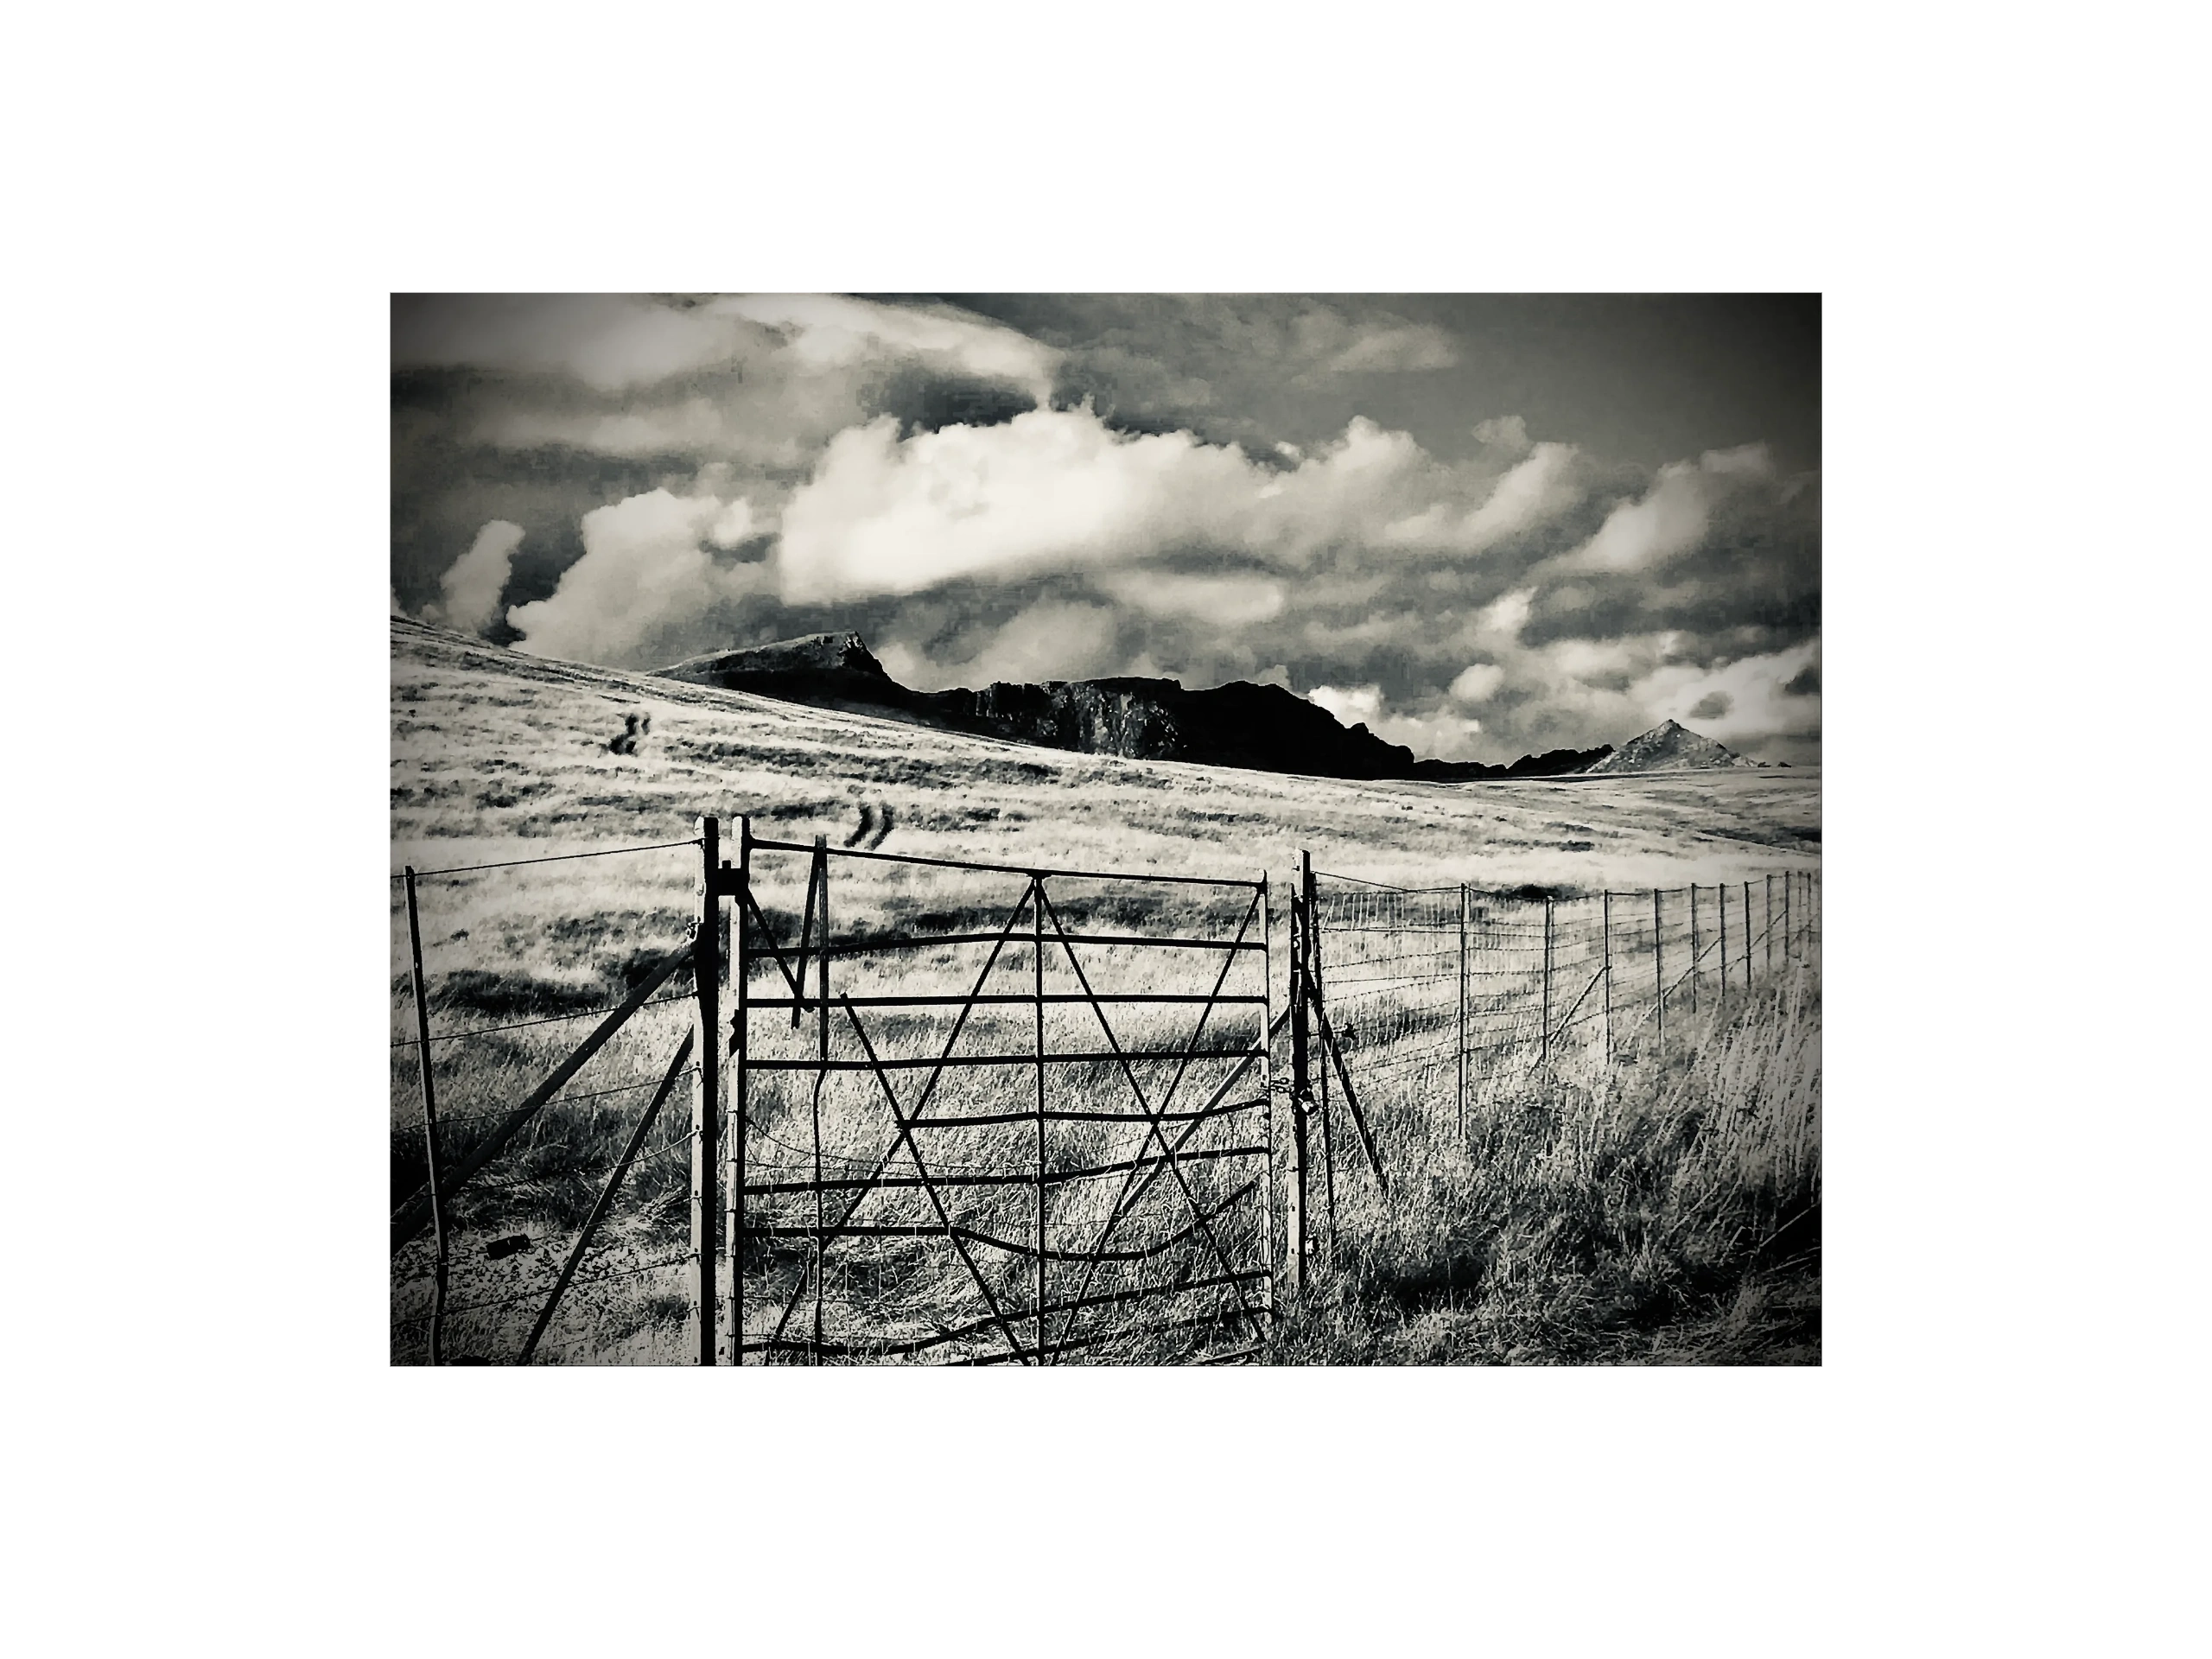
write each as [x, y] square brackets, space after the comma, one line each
[1262, 728]
[1552, 763]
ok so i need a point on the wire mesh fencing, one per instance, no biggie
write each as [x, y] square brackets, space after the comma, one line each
[1437, 997]
[652, 1104]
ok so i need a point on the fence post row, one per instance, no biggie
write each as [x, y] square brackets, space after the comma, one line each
[718, 943]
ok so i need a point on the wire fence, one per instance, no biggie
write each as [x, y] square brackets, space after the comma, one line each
[518, 964]
[677, 1107]
[1437, 996]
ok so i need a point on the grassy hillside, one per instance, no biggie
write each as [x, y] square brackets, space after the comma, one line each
[497, 756]
[492, 750]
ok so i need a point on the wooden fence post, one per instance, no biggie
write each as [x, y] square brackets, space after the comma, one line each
[1747, 935]
[821, 1077]
[1605, 933]
[1693, 951]
[1268, 1093]
[706, 1090]
[1769, 927]
[1313, 996]
[1316, 987]
[1301, 941]
[1463, 1011]
[429, 1130]
[735, 1120]
[1037, 951]
[1659, 968]
[1544, 1031]
[1786, 940]
[1720, 892]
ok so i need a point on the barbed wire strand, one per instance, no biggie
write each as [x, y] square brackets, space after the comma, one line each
[549, 1019]
[550, 858]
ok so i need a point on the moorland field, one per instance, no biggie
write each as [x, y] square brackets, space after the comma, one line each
[1664, 1207]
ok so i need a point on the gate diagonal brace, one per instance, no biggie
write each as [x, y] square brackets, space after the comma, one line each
[1124, 1202]
[944, 1219]
[952, 1039]
[1352, 1097]
[1152, 1121]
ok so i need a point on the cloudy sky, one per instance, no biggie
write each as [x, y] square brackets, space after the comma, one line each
[1484, 526]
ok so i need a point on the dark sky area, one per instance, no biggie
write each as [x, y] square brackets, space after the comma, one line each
[1483, 524]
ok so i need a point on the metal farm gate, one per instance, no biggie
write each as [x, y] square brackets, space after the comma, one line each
[986, 1114]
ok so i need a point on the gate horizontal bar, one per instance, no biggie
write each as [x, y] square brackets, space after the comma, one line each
[1138, 1293]
[1010, 999]
[1062, 1116]
[916, 1345]
[921, 1230]
[761, 845]
[1235, 1353]
[768, 1189]
[767, 952]
[1099, 1336]
[927, 1063]
[922, 940]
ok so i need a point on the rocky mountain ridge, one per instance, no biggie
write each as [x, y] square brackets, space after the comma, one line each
[1260, 727]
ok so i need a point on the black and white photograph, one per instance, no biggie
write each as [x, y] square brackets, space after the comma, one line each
[1105, 829]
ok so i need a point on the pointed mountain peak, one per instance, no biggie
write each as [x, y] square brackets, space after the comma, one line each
[1669, 746]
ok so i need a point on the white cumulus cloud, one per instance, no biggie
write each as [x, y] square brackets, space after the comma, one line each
[834, 331]
[1534, 491]
[1049, 641]
[471, 587]
[1672, 516]
[1352, 706]
[1744, 700]
[1476, 682]
[647, 591]
[1227, 602]
[1059, 489]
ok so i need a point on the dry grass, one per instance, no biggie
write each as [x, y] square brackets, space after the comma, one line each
[1527, 1244]
[1666, 1208]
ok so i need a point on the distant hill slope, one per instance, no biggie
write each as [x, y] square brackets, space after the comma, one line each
[1670, 747]
[498, 755]
[1258, 728]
